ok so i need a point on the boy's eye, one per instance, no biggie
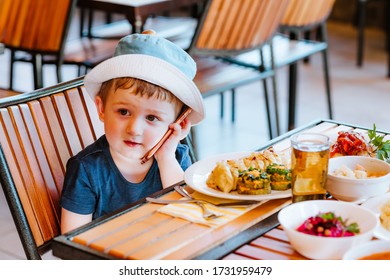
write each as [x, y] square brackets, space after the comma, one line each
[123, 112]
[151, 118]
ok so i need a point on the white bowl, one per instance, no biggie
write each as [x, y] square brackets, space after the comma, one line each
[325, 248]
[354, 190]
[367, 249]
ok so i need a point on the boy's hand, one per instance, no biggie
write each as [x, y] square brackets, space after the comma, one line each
[168, 149]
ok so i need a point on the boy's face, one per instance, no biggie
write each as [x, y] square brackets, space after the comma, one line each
[134, 124]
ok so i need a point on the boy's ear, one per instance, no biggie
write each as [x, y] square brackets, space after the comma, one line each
[100, 107]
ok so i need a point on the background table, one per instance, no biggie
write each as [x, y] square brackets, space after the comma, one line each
[136, 11]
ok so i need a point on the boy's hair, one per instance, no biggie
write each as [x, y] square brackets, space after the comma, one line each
[138, 87]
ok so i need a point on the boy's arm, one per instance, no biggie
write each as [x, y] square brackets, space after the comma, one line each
[170, 169]
[71, 220]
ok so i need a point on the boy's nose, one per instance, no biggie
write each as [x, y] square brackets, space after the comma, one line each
[134, 126]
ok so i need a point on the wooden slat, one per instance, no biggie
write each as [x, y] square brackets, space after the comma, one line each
[8, 137]
[234, 227]
[97, 124]
[240, 24]
[95, 234]
[52, 154]
[31, 173]
[128, 248]
[128, 232]
[24, 21]
[273, 245]
[67, 123]
[48, 191]
[80, 117]
[63, 149]
[307, 12]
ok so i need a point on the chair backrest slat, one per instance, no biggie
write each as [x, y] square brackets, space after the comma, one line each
[38, 136]
[27, 169]
[307, 12]
[237, 26]
[23, 22]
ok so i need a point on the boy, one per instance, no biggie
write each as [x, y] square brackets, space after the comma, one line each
[138, 95]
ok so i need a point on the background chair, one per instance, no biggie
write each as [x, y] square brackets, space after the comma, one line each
[303, 16]
[35, 31]
[291, 46]
[227, 29]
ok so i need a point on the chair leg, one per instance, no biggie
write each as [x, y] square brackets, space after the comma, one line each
[90, 23]
[292, 94]
[361, 18]
[307, 36]
[387, 29]
[324, 38]
[59, 72]
[82, 18]
[222, 102]
[267, 108]
[327, 82]
[38, 71]
[233, 105]
[11, 70]
[275, 93]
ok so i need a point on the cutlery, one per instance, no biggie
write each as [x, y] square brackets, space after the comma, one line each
[181, 190]
[207, 214]
[168, 201]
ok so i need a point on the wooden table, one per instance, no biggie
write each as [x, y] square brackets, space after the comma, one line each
[140, 232]
[136, 11]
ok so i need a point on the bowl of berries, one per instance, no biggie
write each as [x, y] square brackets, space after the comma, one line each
[326, 229]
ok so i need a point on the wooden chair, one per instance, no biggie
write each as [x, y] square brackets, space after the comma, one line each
[291, 47]
[230, 28]
[35, 31]
[39, 132]
[303, 16]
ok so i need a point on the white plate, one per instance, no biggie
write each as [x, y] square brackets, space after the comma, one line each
[375, 204]
[196, 175]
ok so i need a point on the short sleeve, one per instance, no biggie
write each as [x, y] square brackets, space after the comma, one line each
[183, 156]
[78, 195]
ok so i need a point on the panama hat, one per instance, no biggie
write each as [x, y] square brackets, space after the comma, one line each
[155, 60]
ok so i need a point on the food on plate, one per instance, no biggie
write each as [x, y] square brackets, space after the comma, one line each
[222, 178]
[280, 176]
[384, 216]
[229, 175]
[328, 225]
[358, 173]
[253, 181]
[350, 143]
[381, 147]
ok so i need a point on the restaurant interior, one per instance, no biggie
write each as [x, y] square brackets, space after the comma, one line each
[360, 94]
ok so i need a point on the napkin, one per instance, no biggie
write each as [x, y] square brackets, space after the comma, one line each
[193, 212]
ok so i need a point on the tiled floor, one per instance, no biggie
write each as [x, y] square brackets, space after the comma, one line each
[360, 96]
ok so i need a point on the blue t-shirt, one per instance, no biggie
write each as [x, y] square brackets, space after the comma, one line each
[94, 184]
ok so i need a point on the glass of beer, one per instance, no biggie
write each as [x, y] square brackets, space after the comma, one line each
[309, 166]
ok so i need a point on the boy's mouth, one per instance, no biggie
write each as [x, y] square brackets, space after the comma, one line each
[132, 144]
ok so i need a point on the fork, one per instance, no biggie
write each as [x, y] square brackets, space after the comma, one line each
[207, 214]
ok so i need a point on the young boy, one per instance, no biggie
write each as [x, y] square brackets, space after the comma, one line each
[138, 93]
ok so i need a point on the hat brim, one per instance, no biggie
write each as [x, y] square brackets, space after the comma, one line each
[152, 70]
